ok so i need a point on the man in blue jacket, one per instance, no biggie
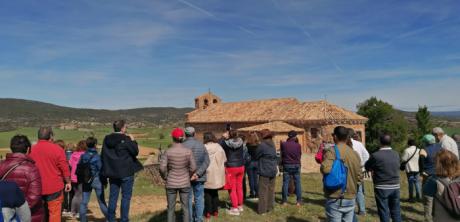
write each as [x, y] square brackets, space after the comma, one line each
[96, 183]
[199, 177]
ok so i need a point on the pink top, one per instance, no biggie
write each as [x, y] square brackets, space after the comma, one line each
[74, 159]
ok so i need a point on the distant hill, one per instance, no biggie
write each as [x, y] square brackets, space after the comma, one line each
[450, 114]
[16, 113]
[443, 119]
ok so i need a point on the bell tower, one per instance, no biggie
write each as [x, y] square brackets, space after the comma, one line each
[206, 100]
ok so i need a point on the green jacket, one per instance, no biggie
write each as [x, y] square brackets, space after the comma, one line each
[353, 164]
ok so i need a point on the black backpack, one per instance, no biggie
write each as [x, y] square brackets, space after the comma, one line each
[83, 171]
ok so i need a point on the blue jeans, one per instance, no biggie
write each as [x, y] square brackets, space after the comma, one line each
[338, 210]
[414, 182]
[253, 178]
[97, 186]
[196, 193]
[388, 204]
[360, 199]
[294, 171]
[126, 185]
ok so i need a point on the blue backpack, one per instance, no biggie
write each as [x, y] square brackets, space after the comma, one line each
[337, 178]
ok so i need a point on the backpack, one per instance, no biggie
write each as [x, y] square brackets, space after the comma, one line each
[83, 171]
[450, 198]
[337, 178]
[319, 154]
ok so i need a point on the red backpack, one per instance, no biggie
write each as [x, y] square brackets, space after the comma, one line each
[319, 154]
[450, 198]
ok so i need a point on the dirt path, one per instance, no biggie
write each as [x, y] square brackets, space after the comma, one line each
[139, 205]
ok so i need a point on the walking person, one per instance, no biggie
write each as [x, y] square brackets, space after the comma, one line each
[21, 169]
[215, 175]
[447, 172]
[119, 164]
[199, 177]
[76, 185]
[340, 201]
[177, 165]
[291, 153]
[384, 165]
[359, 147]
[234, 170]
[67, 204]
[446, 141]
[253, 177]
[54, 170]
[92, 157]
[410, 164]
[267, 165]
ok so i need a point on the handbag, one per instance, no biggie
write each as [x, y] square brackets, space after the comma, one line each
[402, 167]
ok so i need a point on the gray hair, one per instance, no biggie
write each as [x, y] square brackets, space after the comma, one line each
[438, 130]
[45, 133]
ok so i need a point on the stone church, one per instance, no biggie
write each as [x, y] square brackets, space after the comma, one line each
[313, 121]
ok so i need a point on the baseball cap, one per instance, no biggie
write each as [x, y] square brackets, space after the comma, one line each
[189, 130]
[177, 133]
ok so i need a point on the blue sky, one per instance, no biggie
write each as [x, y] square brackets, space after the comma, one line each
[124, 54]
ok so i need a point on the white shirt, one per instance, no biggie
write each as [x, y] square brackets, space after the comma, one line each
[449, 144]
[361, 150]
[412, 165]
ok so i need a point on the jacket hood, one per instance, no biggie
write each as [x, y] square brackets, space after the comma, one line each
[234, 143]
[212, 148]
[76, 156]
[18, 157]
[114, 139]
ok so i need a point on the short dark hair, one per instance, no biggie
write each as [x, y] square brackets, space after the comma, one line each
[19, 144]
[209, 137]
[118, 125]
[178, 140]
[233, 134]
[45, 133]
[456, 137]
[91, 142]
[385, 139]
[341, 133]
[411, 142]
[351, 132]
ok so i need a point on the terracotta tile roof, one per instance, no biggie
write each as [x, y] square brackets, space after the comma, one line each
[276, 126]
[284, 109]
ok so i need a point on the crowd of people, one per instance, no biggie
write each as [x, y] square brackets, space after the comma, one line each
[51, 179]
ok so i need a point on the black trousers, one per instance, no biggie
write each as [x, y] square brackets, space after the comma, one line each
[211, 201]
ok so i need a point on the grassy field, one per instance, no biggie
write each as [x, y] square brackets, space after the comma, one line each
[312, 210]
[451, 131]
[149, 137]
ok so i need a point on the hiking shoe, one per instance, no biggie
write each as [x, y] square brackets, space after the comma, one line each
[240, 208]
[234, 212]
[215, 214]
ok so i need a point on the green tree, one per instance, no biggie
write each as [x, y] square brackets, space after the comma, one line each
[423, 118]
[383, 118]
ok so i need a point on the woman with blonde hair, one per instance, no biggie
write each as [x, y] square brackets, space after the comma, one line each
[447, 172]
[215, 175]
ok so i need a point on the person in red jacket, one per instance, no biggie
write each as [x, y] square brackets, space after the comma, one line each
[52, 164]
[21, 169]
